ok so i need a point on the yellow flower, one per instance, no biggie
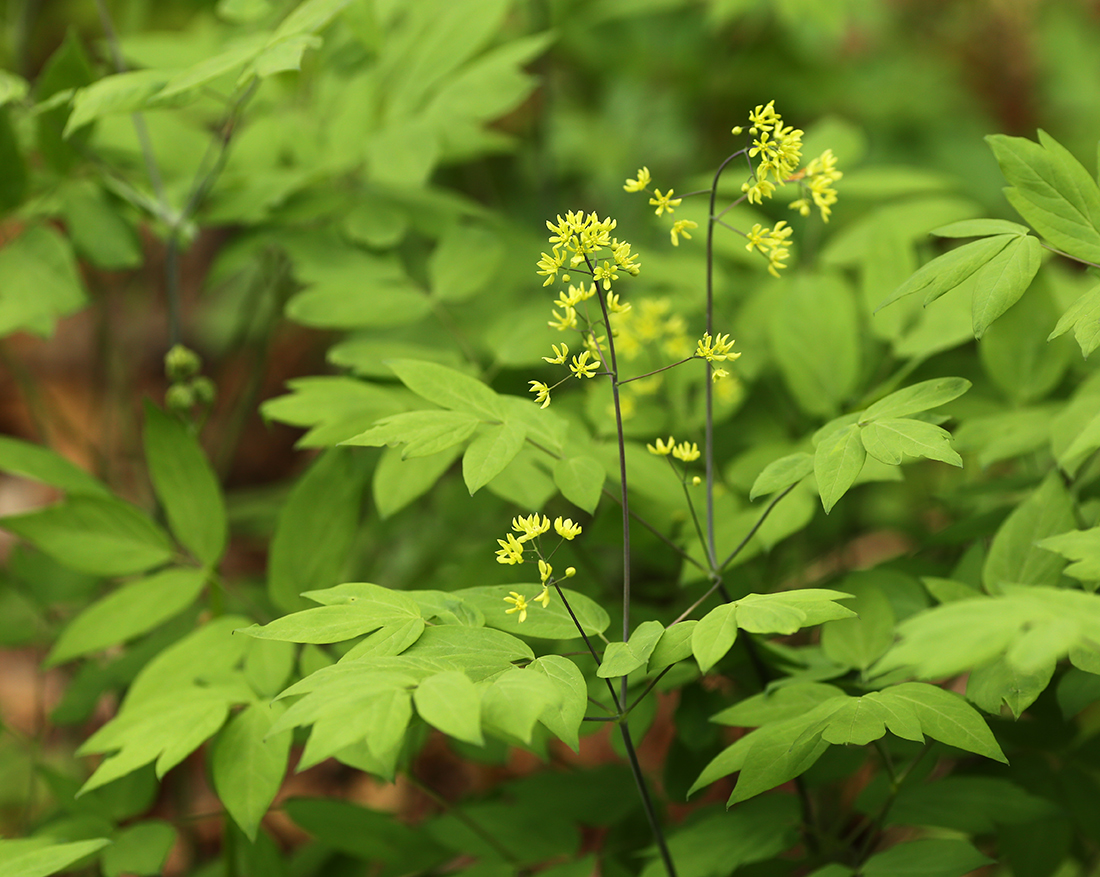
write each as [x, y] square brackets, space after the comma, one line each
[718, 374]
[561, 322]
[582, 368]
[520, 605]
[664, 202]
[640, 183]
[663, 449]
[606, 273]
[550, 265]
[559, 355]
[531, 526]
[623, 257]
[545, 571]
[567, 530]
[541, 391]
[717, 349]
[614, 306]
[544, 597]
[680, 227]
[510, 552]
[686, 452]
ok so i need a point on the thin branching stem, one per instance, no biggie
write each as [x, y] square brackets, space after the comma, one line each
[759, 523]
[591, 648]
[647, 803]
[663, 368]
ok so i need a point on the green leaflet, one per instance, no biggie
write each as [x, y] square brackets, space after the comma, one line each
[489, 454]
[621, 659]
[348, 611]
[119, 93]
[334, 408]
[915, 398]
[42, 260]
[1084, 318]
[422, 432]
[515, 701]
[782, 473]
[1080, 546]
[1014, 557]
[464, 262]
[932, 857]
[133, 609]
[714, 635]
[399, 480]
[973, 804]
[38, 857]
[1052, 192]
[186, 485]
[450, 702]
[777, 704]
[42, 464]
[141, 848]
[673, 646]
[248, 765]
[972, 228]
[1004, 683]
[449, 388]
[838, 461]
[563, 717]
[948, 271]
[96, 535]
[580, 480]
[891, 440]
[1002, 280]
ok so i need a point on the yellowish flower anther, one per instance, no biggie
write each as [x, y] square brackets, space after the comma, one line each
[519, 605]
[686, 452]
[663, 449]
[565, 528]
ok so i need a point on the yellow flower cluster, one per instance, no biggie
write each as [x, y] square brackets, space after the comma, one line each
[512, 549]
[664, 203]
[777, 147]
[772, 242]
[682, 451]
[817, 180]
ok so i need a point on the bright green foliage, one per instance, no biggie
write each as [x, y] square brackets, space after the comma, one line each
[363, 189]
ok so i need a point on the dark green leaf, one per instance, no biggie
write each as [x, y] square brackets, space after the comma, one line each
[140, 849]
[1014, 557]
[926, 858]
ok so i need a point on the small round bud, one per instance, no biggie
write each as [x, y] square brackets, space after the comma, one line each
[181, 363]
[204, 390]
[737, 130]
[696, 481]
[179, 398]
[570, 572]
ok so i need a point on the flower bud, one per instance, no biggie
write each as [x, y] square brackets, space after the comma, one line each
[181, 363]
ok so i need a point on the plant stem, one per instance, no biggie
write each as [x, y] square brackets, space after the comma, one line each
[760, 522]
[588, 642]
[663, 368]
[647, 803]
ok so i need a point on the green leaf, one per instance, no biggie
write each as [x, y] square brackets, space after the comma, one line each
[422, 432]
[782, 473]
[470, 648]
[516, 700]
[268, 664]
[133, 609]
[98, 229]
[918, 397]
[1002, 280]
[13, 184]
[310, 17]
[946, 717]
[1004, 683]
[780, 752]
[209, 69]
[348, 613]
[387, 641]
[890, 440]
[1080, 546]
[1084, 318]
[621, 659]
[186, 485]
[948, 271]
[363, 833]
[342, 302]
[580, 480]
[673, 646]
[972, 228]
[490, 453]
[140, 849]
[838, 461]
[280, 56]
[975, 805]
[859, 642]
[932, 857]
[464, 262]
[12, 88]
[1052, 192]
[450, 702]
[334, 408]
[399, 481]
[99, 536]
[119, 93]
[553, 622]
[449, 388]
[39, 858]
[814, 334]
[565, 715]
[1014, 557]
[714, 635]
[769, 613]
[48, 467]
[309, 550]
[777, 704]
[165, 729]
[40, 259]
[857, 721]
